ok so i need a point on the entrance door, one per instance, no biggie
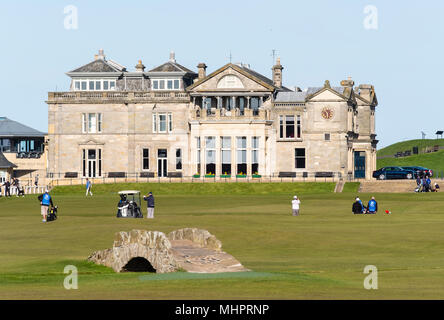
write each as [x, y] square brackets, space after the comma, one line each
[92, 160]
[359, 164]
[162, 163]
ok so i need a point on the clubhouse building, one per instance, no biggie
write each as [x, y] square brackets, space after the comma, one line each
[171, 121]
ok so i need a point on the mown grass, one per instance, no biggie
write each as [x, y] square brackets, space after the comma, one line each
[434, 161]
[241, 188]
[408, 145]
[319, 255]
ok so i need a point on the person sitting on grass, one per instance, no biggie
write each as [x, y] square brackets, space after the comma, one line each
[372, 206]
[45, 201]
[436, 187]
[357, 207]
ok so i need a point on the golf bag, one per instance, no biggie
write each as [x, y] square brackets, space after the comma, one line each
[52, 214]
[129, 210]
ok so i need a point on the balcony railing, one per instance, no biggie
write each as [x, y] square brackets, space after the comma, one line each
[124, 96]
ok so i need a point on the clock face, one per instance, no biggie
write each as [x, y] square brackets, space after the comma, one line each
[327, 113]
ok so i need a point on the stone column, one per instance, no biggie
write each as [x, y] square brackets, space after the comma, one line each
[218, 158]
[248, 103]
[234, 102]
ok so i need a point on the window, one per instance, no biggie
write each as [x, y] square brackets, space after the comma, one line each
[92, 163]
[94, 85]
[241, 155]
[170, 122]
[226, 155]
[145, 159]
[154, 122]
[210, 151]
[166, 84]
[299, 158]
[287, 127]
[178, 159]
[162, 122]
[255, 155]
[91, 122]
[298, 127]
[198, 154]
[327, 137]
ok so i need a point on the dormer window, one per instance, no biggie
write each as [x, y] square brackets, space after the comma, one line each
[166, 84]
[94, 85]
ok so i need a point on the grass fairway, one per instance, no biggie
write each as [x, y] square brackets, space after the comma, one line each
[318, 255]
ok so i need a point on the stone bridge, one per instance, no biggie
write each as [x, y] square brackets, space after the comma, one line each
[194, 250]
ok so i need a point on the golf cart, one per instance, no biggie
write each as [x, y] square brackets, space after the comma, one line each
[129, 205]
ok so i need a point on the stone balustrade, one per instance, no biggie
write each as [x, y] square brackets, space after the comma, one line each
[235, 114]
[117, 96]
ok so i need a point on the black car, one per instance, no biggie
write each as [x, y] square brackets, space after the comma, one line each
[394, 173]
[420, 171]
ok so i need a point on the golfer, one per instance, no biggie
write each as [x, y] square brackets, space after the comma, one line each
[372, 206]
[150, 203]
[295, 203]
[88, 187]
[45, 200]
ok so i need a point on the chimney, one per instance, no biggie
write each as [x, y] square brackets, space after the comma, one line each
[366, 91]
[172, 57]
[201, 70]
[140, 67]
[277, 73]
[348, 83]
[100, 56]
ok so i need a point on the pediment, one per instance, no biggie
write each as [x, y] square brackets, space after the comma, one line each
[326, 94]
[90, 142]
[232, 78]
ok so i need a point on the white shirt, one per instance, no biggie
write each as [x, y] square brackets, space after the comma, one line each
[295, 204]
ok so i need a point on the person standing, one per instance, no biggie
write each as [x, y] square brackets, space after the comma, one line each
[36, 181]
[88, 187]
[150, 205]
[372, 206]
[45, 201]
[7, 186]
[295, 205]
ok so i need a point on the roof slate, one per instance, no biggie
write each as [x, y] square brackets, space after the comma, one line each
[291, 96]
[171, 67]
[10, 128]
[98, 65]
[5, 163]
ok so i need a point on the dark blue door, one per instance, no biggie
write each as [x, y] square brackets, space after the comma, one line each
[359, 164]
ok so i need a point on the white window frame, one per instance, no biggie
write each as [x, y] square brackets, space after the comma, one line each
[143, 159]
[87, 126]
[111, 84]
[179, 158]
[168, 122]
[165, 84]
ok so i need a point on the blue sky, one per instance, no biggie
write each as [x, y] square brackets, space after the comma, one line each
[316, 40]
